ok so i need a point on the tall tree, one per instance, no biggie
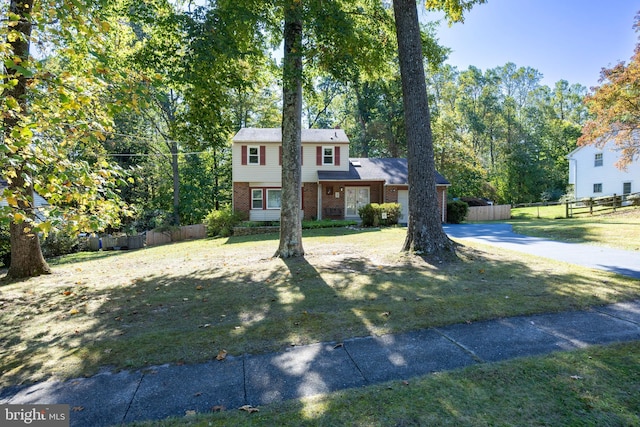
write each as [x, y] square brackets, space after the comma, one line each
[290, 225]
[26, 256]
[53, 146]
[424, 231]
[616, 110]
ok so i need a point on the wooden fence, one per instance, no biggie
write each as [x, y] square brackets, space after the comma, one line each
[489, 213]
[599, 204]
[186, 232]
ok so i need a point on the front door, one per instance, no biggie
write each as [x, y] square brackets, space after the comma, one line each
[354, 199]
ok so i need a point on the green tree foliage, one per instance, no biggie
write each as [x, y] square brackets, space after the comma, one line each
[615, 109]
[56, 110]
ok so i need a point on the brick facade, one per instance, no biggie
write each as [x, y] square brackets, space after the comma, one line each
[310, 200]
[241, 197]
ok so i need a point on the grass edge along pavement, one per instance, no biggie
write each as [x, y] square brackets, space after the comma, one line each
[184, 303]
[594, 386]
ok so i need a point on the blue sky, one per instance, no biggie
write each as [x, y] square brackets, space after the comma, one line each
[563, 39]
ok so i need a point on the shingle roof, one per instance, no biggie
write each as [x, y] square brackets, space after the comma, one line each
[393, 171]
[266, 135]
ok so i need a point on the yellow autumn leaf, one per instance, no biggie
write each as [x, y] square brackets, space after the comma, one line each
[12, 201]
[73, 311]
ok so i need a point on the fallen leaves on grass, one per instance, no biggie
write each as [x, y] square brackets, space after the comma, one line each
[222, 354]
[248, 408]
[218, 408]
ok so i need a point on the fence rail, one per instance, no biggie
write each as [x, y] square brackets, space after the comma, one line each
[186, 232]
[599, 204]
[489, 213]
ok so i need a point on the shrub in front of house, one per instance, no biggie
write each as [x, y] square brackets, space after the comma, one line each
[375, 214]
[59, 242]
[457, 211]
[634, 199]
[221, 222]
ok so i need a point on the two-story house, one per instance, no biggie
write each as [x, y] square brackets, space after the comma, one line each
[593, 172]
[333, 185]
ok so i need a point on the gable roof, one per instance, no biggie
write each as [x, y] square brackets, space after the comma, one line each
[391, 170]
[274, 135]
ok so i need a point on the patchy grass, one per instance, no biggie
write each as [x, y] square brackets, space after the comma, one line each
[592, 387]
[619, 229]
[182, 303]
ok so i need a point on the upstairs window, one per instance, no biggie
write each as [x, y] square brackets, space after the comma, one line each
[626, 188]
[598, 160]
[327, 156]
[597, 188]
[254, 156]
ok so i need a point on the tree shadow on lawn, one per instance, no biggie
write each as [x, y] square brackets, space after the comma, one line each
[271, 305]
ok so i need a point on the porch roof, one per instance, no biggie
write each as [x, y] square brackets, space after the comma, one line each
[392, 171]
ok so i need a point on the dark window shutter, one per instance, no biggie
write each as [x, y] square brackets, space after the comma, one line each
[301, 155]
[319, 156]
[244, 154]
[280, 155]
[263, 155]
[336, 156]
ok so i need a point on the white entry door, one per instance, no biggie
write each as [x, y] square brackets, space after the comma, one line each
[403, 200]
[354, 199]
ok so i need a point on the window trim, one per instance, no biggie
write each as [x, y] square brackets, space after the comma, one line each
[254, 191]
[266, 206]
[598, 160]
[597, 187]
[257, 155]
[628, 183]
[333, 155]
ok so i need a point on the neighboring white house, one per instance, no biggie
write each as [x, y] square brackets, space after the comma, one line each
[593, 172]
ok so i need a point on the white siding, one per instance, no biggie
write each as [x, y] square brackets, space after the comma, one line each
[271, 171]
[583, 173]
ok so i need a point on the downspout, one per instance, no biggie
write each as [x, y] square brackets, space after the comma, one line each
[319, 204]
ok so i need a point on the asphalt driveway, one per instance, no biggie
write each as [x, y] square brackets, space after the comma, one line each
[499, 234]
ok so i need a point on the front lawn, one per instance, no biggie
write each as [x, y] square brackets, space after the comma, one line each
[183, 303]
[619, 229]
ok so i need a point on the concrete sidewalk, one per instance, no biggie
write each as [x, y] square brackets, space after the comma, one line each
[498, 234]
[169, 390]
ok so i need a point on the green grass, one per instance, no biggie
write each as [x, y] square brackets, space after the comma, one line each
[598, 386]
[183, 303]
[618, 230]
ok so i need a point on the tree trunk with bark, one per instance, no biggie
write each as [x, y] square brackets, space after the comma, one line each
[290, 223]
[425, 234]
[26, 255]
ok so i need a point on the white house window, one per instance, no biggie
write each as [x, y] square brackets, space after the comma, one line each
[626, 188]
[598, 160]
[274, 198]
[327, 155]
[256, 199]
[254, 155]
[597, 188]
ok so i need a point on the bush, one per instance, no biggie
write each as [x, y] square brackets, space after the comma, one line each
[457, 211]
[372, 214]
[5, 245]
[221, 223]
[59, 242]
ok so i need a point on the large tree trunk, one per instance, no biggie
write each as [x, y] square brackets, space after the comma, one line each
[290, 224]
[424, 233]
[26, 255]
